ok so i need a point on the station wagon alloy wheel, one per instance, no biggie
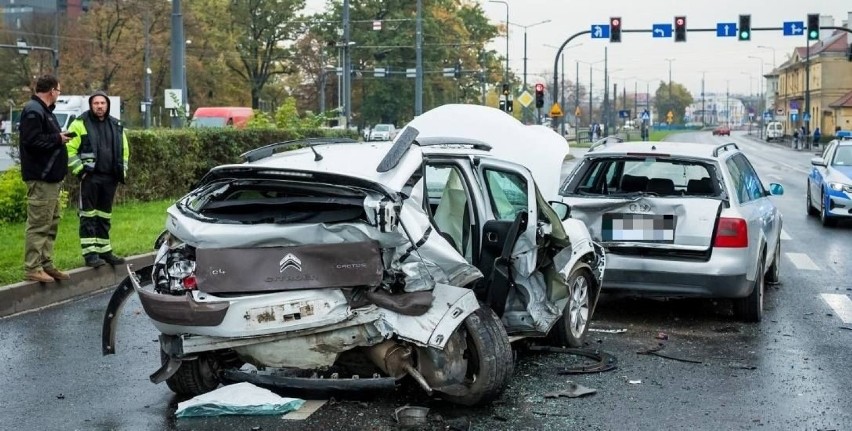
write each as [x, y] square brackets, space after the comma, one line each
[579, 307]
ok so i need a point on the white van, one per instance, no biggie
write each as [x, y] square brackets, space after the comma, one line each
[774, 130]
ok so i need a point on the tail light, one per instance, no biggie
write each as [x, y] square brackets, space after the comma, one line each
[731, 233]
[190, 283]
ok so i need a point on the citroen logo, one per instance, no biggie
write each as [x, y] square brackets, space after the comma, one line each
[290, 261]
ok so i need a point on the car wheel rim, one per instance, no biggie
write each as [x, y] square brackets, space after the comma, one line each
[579, 307]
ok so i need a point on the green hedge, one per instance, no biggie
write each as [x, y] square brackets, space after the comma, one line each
[164, 163]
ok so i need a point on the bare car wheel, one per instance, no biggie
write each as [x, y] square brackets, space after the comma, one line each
[477, 363]
[194, 377]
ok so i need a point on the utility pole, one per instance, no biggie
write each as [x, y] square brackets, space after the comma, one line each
[147, 80]
[670, 103]
[55, 42]
[806, 116]
[347, 68]
[418, 81]
[605, 108]
[590, 95]
[703, 114]
[178, 58]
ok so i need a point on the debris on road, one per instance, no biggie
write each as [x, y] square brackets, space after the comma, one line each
[662, 336]
[655, 351]
[609, 331]
[603, 361]
[848, 328]
[411, 416]
[237, 399]
[574, 391]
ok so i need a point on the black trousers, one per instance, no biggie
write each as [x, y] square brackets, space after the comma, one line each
[97, 192]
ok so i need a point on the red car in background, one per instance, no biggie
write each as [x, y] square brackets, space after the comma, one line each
[722, 130]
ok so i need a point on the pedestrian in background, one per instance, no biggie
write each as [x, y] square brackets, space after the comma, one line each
[796, 139]
[43, 167]
[817, 136]
[98, 155]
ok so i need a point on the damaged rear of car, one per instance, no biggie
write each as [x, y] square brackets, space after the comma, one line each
[304, 261]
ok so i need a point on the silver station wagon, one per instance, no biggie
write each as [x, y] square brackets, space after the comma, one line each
[679, 219]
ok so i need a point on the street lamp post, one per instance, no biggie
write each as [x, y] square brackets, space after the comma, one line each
[670, 60]
[773, 53]
[762, 90]
[525, 27]
[506, 74]
[562, 84]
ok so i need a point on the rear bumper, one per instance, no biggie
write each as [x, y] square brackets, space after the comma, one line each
[723, 276]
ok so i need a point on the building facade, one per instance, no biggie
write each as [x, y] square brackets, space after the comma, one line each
[823, 72]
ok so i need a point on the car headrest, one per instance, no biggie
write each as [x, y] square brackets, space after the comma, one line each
[702, 186]
[633, 183]
[661, 186]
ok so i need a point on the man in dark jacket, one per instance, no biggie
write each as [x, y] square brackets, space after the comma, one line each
[43, 167]
[98, 155]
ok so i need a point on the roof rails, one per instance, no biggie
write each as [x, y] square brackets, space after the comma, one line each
[465, 142]
[268, 150]
[603, 141]
[724, 147]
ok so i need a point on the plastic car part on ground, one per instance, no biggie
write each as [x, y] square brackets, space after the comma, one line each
[237, 399]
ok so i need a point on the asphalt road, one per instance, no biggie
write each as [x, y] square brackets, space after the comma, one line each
[789, 372]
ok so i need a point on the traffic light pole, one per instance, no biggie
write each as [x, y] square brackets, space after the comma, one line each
[694, 30]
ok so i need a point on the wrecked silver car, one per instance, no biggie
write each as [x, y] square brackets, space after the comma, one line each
[422, 256]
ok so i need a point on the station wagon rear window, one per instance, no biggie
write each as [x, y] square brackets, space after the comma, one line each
[657, 176]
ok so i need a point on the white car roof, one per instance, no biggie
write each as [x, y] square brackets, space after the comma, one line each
[538, 148]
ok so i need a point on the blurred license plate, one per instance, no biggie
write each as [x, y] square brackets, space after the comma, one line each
[638, 227]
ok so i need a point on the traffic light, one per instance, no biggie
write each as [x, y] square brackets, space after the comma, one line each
[813, 26]
[615, 29]
[457, 70]
[539, 95]
[680, 29]
[744, 29]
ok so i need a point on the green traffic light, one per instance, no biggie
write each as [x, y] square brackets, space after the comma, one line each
[813, 35]
[744, 35]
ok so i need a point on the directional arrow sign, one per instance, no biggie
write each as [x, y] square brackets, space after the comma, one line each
[600, 31]
[661, 30]
[726, 29]
[794, 28]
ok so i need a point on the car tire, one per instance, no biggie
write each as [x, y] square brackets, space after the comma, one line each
[811, 210]
[194, 377]
[571, 329]
[490, 360]
[824, 218]
[773, 274]
[750, 308]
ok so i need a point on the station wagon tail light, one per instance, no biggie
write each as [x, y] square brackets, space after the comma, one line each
[731, 233]
[190, 283]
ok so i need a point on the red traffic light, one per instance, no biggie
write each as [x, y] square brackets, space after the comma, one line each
[679, 21]
[615, 22]
[539, 88]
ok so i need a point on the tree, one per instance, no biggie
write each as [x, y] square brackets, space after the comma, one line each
[260, 29]
[680, 99]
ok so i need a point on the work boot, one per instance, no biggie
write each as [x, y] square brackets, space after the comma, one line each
[57, 274]
[40, 276]
[93, 260]
[112, 259]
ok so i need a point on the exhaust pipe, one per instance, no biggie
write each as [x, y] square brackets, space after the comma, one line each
[395, 360]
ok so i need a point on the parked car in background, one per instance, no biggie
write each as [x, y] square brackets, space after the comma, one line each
[722, 130]
[829, 192]
[774, 131]
[382, 132]
[221, 116]
[680, 220]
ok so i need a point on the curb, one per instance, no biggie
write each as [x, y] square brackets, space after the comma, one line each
[31, 295]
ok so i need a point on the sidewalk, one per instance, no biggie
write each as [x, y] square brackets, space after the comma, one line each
[31, 295]
[784, 144]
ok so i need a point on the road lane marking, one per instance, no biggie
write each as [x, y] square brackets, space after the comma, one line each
[305, 411]
[841, 304]
[785, 236]
[802, 261]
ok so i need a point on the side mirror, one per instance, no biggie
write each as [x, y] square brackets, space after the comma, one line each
[776, 189]
[818, 161]
[562, 209]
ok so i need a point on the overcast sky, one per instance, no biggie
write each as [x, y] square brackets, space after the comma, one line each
[641, 57]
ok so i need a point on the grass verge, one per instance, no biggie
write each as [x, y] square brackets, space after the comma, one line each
[135, 226]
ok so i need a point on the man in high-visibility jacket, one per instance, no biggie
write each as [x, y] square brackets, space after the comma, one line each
[98, 156]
